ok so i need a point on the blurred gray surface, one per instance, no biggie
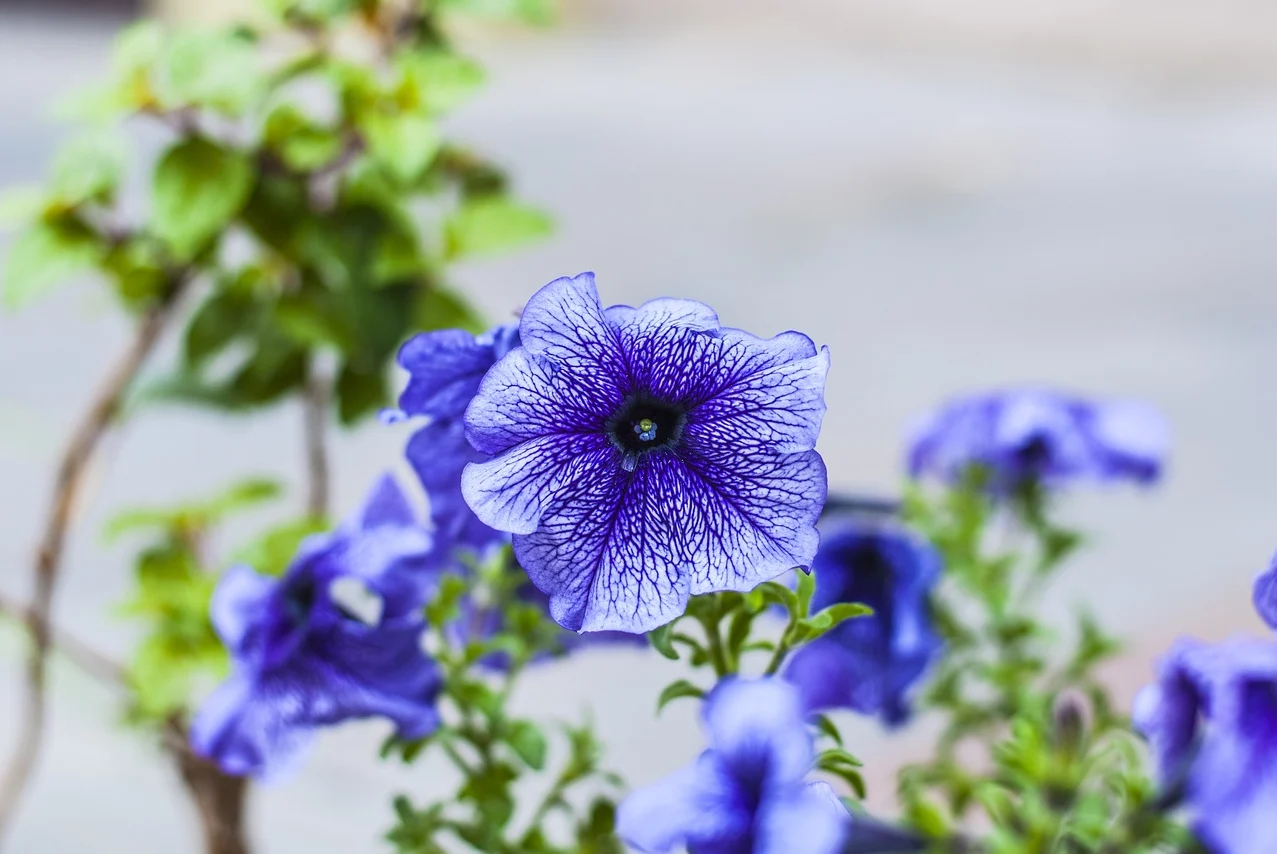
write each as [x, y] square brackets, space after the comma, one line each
[944, 208]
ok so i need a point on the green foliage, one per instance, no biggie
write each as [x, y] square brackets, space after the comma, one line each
[492, 750]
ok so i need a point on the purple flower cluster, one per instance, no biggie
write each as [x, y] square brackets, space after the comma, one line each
[641, 456]
[1040, 436]
[869, 664]
[302, 659]
[1211, 720]
[747, 793]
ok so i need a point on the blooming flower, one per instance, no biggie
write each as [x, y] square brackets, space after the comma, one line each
[1040, 436]
[302, 660]
[869, 663]
[445, 369]
[641, 456]
[1266, 595]
[1211, 720]
[746, 794]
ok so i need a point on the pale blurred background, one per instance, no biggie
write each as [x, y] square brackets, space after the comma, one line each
[950, 194]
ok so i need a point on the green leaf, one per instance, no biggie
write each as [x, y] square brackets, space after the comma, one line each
[492, 224]
[778, 594]
[826, 726]
[20, 205]
[299, 142]
[215, 69]
[360, 393]
[661, 640]
[529, 743]
[198, 188]
[88, 169]
[435, 81]
[46, 255]
[226, 315]
[818, 624]
[539, 12]
[404, 143]
[272, 552]
[806, 589]
[674, 690]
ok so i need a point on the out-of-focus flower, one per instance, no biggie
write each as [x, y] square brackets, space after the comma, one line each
[747, 793]
[1034, 435]
[1266, 595]
[1211, 720]
[642, 456]
[445, 369]
[302, 659]
[869, 664]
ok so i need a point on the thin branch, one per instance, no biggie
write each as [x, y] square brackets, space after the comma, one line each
[82, 655]
[75, 462]
[219, 798]
[315, 421]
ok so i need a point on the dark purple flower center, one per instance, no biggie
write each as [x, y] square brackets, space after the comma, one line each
[643, 425]
[299, 599]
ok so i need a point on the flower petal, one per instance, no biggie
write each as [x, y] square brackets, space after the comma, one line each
[609, 551]
[810, 821]
[563, 324]
[524, 397]
[439, 453]
[238, 602]
[511, 492]
[243, 736]
[1265, 595]
[746, 517]
[1167, 712]
[386, 505]
[756, 726]
[1133, 440]
[696, 803]
[445, 367]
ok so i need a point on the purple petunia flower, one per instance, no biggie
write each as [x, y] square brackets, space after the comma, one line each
[1035, 435]
[1266, 595]
[446, 368]
[746, 794]
[1211, 720]
[869, 663]
[644, 455]
[302, 660]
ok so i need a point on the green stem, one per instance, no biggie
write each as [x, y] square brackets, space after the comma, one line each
[717, 655]
[778, 657]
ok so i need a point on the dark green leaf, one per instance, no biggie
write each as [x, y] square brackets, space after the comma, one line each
[226, 315]
[440, 308]
[661, 642]
[826, 726]
[360, 393]
[681, 688]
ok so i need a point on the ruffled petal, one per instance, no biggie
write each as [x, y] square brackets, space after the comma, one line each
[512, 492]
[610, 551]
[809, 821]
[746, 517]
[695, 804]
[524, 397]
[238, 603]
[1132, 441]
[563, 324]
[445, 367]
[757, 728]
[1167, 712]
[244, 736]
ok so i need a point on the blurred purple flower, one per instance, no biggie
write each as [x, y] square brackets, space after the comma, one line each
[1036, 435]
[1211, 720]
[302, 659]
[869, 664]
[642, 456]
[747, 793]
[445, 369]
[1266, 595]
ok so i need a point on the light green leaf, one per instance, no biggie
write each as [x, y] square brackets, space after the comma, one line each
[300, 143]
[493, 224]
[440, 308]
[199, 187]
[271, 553]
[538, 12]
[20, 205]
[88, 169]
[435, 81]
[213, 69]
[46, 255]
[404, 143]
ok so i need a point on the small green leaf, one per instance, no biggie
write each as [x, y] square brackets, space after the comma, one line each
[435, 81]
[88, 168]
[529, 743]
[404, 143]
[46, 255]
[360, 393]
[806, 589]
[493, 224]
[298, 141]
[778, 594]
[661, 640]
[681, 688]
[198, 188]
[216, 69]
[20, 205]
[826, 726]
[224, 316]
